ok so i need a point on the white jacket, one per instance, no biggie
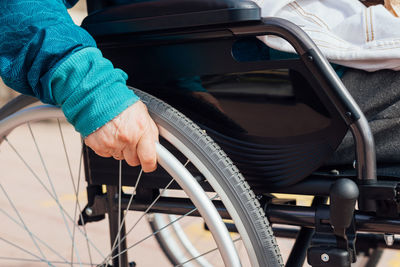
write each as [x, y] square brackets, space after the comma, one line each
[346, 31]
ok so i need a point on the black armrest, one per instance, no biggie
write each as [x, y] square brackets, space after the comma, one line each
[171, 14]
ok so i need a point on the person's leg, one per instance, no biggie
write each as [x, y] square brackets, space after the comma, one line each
[378, 95]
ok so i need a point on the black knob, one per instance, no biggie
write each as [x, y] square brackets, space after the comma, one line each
[343, 196]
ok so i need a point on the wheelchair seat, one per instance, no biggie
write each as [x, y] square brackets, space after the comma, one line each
[172, 14]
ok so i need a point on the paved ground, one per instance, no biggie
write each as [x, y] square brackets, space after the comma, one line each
[35, 224]
[30, 216]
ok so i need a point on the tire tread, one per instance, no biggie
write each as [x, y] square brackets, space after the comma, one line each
[229, 171]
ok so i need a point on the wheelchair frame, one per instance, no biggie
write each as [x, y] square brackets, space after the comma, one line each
[373, 192]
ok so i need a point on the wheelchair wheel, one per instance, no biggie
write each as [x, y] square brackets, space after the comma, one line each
[33, 234]
[250, 221]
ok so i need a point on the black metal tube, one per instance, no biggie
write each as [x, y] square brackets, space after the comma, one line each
[312, 58]
[298, 254]
[279, 214]
[286, 232]
[330, 84]
[307, 187]
[172, 205]
[299, 251]
[305, 216]
[113, 216]
[363, 239]
[365, 158]
[369, 223]
[365, 148]
[291, 215]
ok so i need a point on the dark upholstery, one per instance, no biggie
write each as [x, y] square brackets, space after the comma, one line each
[159, 15]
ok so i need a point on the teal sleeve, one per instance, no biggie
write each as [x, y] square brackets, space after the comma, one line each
[90, 90]
[35, 37]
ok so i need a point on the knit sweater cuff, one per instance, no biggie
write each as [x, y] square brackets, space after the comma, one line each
[90, 91]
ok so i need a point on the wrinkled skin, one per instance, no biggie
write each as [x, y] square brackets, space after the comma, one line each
[130, 136]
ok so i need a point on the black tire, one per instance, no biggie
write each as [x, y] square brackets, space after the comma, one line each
[244, 207]
[223, 176]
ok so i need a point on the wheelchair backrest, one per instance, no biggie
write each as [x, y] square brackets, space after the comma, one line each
[270, 117]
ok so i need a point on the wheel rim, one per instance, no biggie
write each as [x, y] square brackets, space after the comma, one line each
[177, 242]
[228, 205]
[52, 113]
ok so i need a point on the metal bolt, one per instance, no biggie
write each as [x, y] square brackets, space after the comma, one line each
[325, 257]
[335, 172]
[310, 58]
[349, 114]
[259, 197]
[389, 239]
[88, 211]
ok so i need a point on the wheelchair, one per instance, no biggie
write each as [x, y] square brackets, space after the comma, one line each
[237, 130]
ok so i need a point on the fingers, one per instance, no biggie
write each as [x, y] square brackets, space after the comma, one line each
[154, 130]
[130, 156]
[130, 136]
[104, 144]
[146, 151]
[118, 155]
[92, 142]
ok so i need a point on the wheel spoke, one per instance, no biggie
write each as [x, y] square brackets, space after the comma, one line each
[37, 260]
[26, 251]
[214, 173]
[125, 213]
[79, 208]
[22, 221]
[30, 169]
[150, 206]
[203, 254]
[48, 191]
[159, 230]
[36, 237]
[144, 213]
[153, 203]
[186, 243]
[52, 186]
[76, 192]
[119, 210]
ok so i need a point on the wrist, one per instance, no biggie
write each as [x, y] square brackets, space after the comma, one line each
[90, 91]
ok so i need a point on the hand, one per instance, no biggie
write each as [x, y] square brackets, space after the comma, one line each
[130, 136]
